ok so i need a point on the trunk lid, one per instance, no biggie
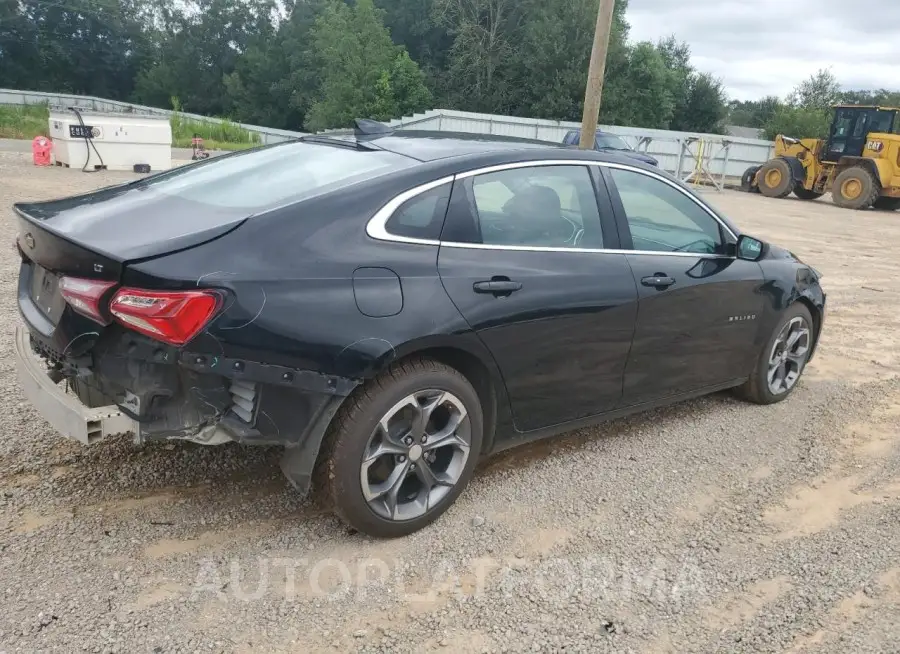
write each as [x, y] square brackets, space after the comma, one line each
[96, 236]
[113, 226]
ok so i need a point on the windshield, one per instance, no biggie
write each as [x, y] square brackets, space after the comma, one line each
[611, 142]
[268, 177]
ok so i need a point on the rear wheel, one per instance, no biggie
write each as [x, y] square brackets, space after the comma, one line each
[887, 204]
[855, 188]
[782, 360]
[806, 194]
[775, 179]
[402, 449]
[748, 180]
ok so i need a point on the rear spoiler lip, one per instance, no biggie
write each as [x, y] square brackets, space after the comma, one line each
[133, 255]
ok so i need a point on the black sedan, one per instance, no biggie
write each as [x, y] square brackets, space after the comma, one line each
[392, 307]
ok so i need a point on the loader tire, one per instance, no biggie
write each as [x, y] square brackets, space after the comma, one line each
[855, 188]
[887, 204]
[775, 179]
[748, 180]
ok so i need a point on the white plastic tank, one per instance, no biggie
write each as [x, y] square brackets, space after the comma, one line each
[115, 141]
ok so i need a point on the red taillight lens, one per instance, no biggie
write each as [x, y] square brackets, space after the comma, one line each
[173, 317]
[84, 296]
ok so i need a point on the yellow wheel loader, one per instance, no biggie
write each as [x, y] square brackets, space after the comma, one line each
[859, 164]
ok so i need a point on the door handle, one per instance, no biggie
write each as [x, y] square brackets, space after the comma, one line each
[499, 286]
[659, 281]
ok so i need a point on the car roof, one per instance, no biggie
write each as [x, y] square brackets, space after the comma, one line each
[461, 150]
[432, 146]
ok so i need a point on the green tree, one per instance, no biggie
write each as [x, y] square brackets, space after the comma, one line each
[92, 47]
[799, 122]
[704, 110]
[549, 72]
[819, 91]
[202, 41]
[677, 57]
[753, 113]
[807, 113]
[641, 97]
[276, 79]
[364, 75]
[484, 46]
[411, 25]
[878, 97]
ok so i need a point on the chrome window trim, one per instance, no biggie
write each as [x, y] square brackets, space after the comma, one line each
[376, 227]
[536, 248]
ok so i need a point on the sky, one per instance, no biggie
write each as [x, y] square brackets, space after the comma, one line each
[767, 47]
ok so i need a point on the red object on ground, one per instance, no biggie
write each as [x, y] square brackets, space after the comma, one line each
[41, 147]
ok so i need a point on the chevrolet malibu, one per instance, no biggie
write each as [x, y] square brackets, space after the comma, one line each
[392, 307]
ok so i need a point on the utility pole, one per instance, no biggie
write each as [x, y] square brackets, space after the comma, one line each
[594, 92]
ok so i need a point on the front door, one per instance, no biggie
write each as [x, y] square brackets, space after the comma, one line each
[699, 308]
[521, 257]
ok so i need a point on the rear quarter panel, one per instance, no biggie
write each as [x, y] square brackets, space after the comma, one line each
[288, 277]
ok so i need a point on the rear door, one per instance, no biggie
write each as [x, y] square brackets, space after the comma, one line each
[522, 258]
[699, 306]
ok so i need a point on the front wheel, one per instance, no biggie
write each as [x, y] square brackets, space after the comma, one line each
[402, 448]
[782, 360]
[775, 179]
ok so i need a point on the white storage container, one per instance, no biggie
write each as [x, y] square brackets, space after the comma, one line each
[122, 140]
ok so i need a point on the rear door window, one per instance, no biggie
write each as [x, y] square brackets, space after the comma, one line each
[541, 206]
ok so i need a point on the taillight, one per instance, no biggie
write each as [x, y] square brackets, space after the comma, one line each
[84, 296]
[174, 317]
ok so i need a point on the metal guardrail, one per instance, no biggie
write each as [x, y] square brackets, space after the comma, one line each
[689, 155]
[14, 97]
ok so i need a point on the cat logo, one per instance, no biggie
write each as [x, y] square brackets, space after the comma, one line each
[742, 318]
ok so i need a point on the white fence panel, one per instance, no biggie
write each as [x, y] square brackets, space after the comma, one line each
[723, 156]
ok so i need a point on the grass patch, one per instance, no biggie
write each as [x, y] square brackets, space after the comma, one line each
[24, 122]
[216, 136]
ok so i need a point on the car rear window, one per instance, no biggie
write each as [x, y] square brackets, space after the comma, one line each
[268, 177]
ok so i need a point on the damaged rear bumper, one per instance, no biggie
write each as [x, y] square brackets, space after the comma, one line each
[63, 411]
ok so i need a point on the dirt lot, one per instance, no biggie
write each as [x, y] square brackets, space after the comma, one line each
[710, 526]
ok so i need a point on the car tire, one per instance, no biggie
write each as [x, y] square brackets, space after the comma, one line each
[351, 473]
[775, 179]
[761, 387]
[855, 188]
[803, 193]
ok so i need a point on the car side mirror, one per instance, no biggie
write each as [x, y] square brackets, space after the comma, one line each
[749, 248]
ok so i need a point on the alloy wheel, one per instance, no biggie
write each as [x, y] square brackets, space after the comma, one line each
[789, 354]
[416, 454]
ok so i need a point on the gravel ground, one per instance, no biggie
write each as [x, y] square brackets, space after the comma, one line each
[709, 526]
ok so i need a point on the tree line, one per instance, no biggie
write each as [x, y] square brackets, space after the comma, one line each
[316, 64]
[806, 112]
